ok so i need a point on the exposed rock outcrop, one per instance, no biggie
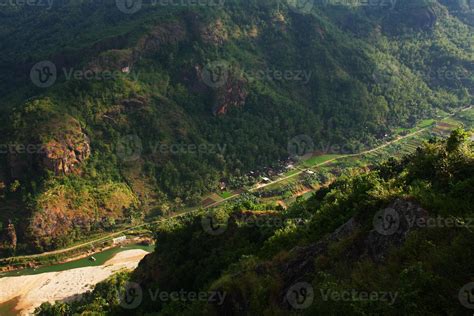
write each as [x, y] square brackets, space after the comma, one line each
[60, 216]
[232, 94]
[374, 244]
[122, 60]
[66, 154]
[402, 214]
[214, 33]
[414, 15]
[60, 146]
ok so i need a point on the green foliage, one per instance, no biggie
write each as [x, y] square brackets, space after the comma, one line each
[359, 86]
[423, 275]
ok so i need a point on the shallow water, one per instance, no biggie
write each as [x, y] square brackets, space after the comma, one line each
[8, 308]
[101, 257]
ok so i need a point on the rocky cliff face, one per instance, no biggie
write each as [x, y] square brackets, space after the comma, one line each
[373, 245]
[360, 242]
[415, 15]
[63, 213]
[214, 33]
[233, 94]
[62, 149]
[122, 60]
[66, 154]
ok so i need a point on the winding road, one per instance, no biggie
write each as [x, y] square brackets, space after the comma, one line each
[257, 187]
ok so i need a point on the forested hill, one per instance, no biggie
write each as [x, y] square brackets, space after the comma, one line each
[397, 240]
[113, 112]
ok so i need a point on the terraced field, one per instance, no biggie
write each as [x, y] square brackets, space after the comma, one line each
[325, 167]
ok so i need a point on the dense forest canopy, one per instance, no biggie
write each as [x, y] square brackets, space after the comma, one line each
[332, 243]
[159, 105]
[284, 156]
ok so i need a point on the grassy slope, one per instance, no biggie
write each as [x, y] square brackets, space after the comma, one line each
[345, 101]
[254, 264]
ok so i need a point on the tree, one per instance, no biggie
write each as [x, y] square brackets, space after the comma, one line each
[456, 139]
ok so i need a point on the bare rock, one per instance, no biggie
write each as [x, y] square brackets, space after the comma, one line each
[232, 94]
[392, 228]
[66, 152]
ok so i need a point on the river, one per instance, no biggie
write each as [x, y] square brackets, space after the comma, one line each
[22, 291]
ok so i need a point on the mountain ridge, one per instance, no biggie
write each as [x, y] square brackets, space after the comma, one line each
[368, 75]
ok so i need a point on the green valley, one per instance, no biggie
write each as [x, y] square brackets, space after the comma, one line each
[265, 146]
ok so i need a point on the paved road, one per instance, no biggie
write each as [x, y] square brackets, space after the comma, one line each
[355, 155]
[109, 236]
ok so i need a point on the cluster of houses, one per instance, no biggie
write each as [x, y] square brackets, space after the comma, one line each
[268, 173]
[265, 174]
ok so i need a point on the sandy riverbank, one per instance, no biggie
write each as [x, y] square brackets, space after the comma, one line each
[30, 291]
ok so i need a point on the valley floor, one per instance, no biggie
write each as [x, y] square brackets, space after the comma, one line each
[301, 169]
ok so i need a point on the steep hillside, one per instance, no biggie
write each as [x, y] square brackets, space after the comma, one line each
[156, 106]
[394, 241]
